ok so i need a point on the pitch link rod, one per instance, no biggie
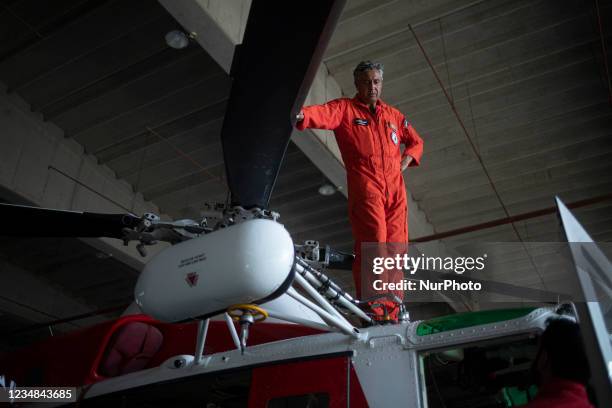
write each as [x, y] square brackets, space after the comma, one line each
[324, 279]
[317, 296]
[346, 329]
[338, 298]
[331, 293]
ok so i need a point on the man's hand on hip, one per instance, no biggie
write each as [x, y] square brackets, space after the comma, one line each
[406, 162]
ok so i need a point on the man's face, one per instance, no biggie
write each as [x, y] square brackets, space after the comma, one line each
[369, 86]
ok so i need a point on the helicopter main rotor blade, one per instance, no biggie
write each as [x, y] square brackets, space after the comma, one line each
[272, 73]
[25, 221]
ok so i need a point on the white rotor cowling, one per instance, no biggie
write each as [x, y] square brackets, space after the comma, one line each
[245, 263]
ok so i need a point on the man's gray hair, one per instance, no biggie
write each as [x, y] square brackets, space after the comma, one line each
[367, 66]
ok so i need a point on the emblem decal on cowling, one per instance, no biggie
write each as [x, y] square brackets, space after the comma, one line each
[192, 278]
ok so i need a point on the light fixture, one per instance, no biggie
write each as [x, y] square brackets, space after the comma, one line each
[177, 39]
[327, 189]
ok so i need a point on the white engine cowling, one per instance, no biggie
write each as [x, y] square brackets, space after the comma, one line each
[246, 263]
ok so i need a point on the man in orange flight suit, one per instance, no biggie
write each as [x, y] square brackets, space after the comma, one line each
[369, 133]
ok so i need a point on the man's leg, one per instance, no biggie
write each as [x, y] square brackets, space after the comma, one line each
[367, 218]
[397, 233]
[368, 221]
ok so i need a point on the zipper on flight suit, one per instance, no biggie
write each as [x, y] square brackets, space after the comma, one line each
[382, 150]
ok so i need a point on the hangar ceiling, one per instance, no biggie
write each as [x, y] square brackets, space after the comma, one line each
[527, 78]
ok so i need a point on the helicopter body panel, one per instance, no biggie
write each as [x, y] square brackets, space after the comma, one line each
[382, 368]
[386, 362]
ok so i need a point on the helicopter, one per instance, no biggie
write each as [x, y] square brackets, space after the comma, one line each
[181, 346]
[296, 343]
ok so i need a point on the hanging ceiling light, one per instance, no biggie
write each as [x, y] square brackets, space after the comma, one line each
[177, 39]
[327, 189]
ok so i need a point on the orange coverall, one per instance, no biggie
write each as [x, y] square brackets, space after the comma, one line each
[370, 147]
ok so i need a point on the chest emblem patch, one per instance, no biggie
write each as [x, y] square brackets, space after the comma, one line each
[361, 122]
[394, 137]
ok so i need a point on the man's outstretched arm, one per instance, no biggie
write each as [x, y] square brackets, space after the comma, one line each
[327, 116]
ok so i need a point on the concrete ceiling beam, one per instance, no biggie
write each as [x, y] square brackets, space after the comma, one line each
[462, 217]
[536, 180]
[509, 198]
[401, 39]
[120, 126]
[156, 151]
[358, 33]
[442, 138]
[573, 135]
